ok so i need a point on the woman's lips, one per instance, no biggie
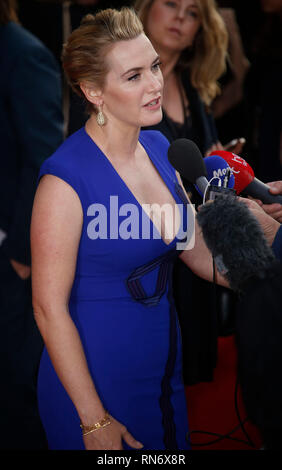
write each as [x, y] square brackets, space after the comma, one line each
[175, 31]
[154, 104]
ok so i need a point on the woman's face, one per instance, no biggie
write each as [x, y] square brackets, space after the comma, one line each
[173, 24]
[133, 90]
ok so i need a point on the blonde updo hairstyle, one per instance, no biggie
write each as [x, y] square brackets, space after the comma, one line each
[206, 59]
[84, 56]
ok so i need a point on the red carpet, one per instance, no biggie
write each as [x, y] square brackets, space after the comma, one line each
[211, 406]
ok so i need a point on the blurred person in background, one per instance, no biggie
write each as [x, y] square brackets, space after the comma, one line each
[31, 126]
[191, 39]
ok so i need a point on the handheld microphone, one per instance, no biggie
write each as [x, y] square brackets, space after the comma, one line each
[236, 241]
[245, 180]
[218, 170]
[186, 158]
[230, 231]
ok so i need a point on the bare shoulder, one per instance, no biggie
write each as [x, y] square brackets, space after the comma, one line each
[56, 195]
[53, 186]
[56, 208]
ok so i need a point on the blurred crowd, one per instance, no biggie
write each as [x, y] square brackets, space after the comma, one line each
[250, 102]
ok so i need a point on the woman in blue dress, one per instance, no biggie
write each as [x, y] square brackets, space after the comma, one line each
[102, 254]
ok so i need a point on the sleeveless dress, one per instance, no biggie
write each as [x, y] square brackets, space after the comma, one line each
[121, 303]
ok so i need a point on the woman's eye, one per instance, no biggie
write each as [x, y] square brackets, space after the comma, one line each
[134, 77]
[170, 4]
[156, 66]
[193, 14]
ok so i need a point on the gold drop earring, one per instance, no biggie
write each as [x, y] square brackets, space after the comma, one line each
[101, 121]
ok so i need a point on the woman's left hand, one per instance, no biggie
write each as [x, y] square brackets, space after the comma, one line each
[110, 438]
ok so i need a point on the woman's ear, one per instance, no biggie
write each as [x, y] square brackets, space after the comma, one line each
[91, 93]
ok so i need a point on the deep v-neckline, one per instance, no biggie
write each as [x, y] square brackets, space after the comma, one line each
[114, 170]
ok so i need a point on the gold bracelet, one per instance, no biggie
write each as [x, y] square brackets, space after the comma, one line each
[94, 427]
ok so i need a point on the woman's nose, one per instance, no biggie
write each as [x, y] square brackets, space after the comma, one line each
[180, 12]
[155, 83]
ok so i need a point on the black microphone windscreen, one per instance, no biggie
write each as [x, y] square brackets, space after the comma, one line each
[186, 158]
[236, 241]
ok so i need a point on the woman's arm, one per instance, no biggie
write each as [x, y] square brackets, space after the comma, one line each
[55, 234]
[199, 258]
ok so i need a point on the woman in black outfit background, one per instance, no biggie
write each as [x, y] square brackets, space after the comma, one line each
[191, 38]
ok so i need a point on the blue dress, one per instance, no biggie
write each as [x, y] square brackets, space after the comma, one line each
[121, 304]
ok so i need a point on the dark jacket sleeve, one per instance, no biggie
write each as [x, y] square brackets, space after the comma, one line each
[277, 244]
[36, 115]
